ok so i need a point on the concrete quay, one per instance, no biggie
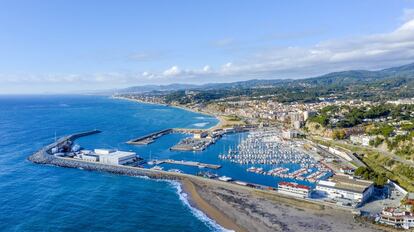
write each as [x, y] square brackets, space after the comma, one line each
[150, 138]
[189, 163]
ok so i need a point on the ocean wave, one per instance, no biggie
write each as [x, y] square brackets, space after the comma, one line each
[143, 177]
[196, 212]
[200, 124]
[200, 117]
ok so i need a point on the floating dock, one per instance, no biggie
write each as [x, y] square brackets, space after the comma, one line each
[188, 163]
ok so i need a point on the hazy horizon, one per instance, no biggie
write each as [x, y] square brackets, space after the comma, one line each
[78, 46]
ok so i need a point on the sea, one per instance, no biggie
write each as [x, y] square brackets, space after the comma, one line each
[47, 198]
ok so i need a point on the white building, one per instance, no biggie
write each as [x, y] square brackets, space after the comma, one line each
[115, 157]
[294, 189]
[297, 124]
[361, 139]
[87, 155]
[103, 151]
[396, 217]
[345, 187]
[290, 134]
[200, 135]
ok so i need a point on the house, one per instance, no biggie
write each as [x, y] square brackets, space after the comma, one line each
[397, 217]
[294, 189]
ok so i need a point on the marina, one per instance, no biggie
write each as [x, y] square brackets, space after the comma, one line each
[268, 148]
[260, 157]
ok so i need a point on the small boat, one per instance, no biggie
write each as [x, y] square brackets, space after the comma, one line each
[175, 170]
[158, 168]
[225, 178]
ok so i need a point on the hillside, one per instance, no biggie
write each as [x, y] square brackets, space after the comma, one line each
[392, 76]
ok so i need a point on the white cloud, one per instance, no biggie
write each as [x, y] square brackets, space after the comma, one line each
[227, 65]
[173, 71]
[363, 52]
[206, 68]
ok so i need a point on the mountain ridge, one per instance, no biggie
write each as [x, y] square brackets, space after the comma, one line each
[334, 78]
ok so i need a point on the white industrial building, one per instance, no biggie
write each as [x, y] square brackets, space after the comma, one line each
[114, 157]
[345, 187]
[86, 155]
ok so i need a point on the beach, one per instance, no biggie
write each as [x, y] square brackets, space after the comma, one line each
[241, 209]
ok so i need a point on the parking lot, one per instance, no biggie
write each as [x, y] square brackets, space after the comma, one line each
[385, 197]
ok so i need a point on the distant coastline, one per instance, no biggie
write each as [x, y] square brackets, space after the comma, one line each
[219, 124]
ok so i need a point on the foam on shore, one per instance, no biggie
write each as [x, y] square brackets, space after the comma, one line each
[200, 124]
[196, 212]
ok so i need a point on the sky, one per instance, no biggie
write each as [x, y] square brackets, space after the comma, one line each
[61, 46]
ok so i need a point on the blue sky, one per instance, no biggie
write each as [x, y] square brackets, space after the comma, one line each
[61, 46]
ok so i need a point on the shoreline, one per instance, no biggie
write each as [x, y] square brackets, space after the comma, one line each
[210, 211]
[218, 125]
[231, 206]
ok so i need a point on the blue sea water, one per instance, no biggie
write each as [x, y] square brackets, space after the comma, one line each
[47, 198]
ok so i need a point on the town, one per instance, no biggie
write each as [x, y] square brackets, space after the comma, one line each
[363, 148]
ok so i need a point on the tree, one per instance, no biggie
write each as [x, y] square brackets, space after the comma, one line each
[360, 171]
[338, 134]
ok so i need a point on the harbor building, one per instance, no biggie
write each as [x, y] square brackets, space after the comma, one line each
[87, 155]
[200, 135]
[346, 187]
[294, 189]
[108, 156]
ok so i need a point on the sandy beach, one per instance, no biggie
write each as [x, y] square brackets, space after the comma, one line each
[241, 209]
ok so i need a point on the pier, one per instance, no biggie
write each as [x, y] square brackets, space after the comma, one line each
[188, 163]
[150, 138]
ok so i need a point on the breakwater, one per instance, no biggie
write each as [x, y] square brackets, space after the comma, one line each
[44, 156]
[150, 138]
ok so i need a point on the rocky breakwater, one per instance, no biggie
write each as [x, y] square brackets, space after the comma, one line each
[45, 156]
